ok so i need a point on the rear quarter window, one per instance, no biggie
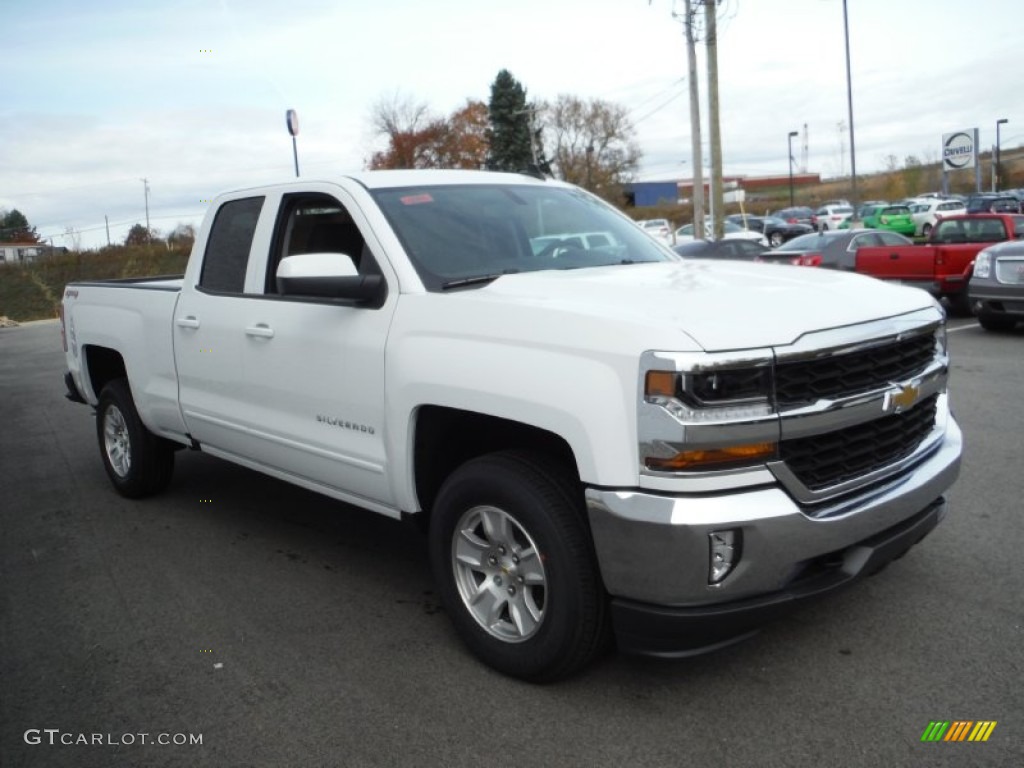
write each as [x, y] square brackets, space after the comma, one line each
[227, 249]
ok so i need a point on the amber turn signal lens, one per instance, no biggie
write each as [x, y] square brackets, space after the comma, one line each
[660, 384]
[696, 459]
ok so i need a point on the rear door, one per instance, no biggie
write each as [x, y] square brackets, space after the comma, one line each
[208, 338]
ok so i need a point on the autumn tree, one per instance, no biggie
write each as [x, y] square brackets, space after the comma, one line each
[464, 141]
[416, 139]
[14, 228]
[403, 121]
[138, 235]
[592, 143]
[511, 148]
[182, 237]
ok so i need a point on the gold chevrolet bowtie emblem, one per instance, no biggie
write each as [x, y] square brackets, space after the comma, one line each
[902, 399]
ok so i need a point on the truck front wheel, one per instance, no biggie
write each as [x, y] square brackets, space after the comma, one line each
[511, 555]
[137, 462]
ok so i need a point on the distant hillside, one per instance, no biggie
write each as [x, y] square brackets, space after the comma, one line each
[33, 291]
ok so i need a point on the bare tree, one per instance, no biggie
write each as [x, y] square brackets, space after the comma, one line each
[398, 112]
[592, 143]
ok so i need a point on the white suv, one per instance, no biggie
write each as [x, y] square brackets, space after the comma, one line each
[660, 229]
[831, 216]
[926, 212]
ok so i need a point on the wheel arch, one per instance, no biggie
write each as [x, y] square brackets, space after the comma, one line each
[444, 438]
[102, 365]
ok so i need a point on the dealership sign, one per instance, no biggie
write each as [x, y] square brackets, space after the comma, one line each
[959, 149]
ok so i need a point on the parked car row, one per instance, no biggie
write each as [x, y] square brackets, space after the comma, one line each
[732, 231]
[775, 229]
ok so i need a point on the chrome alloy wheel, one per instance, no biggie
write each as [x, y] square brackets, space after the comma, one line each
[116, 441]
[499, 573]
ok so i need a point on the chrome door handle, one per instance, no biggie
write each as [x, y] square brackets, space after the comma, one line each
[187, 322]
[262, 331]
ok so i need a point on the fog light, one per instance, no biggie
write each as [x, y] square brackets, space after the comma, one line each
[725, 553]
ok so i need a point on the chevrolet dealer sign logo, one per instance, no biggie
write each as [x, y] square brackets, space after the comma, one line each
[902, 399]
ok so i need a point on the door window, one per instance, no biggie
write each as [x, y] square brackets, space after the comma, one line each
[317, 223]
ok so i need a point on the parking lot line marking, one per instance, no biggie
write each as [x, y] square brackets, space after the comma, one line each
[962, 327]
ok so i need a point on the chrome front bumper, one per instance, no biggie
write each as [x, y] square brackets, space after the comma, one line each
[653, 548]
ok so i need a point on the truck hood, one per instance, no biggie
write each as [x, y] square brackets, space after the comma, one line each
[721, 306]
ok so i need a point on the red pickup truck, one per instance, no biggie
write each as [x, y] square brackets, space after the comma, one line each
[943, 265]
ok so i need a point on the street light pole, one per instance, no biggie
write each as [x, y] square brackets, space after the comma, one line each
[995, 175]
[291, 118]
[789, 142]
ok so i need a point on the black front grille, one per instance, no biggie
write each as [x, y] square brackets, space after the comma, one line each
[850, 374]
[825, 460]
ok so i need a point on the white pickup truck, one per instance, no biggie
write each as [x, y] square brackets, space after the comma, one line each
[604, 441]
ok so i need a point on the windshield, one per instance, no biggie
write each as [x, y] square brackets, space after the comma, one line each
[458, 235]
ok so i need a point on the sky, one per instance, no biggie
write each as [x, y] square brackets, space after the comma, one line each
[191, 95]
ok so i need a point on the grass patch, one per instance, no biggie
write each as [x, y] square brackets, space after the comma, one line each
[33, 291]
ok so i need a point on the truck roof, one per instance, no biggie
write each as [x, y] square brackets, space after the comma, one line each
[410, 178]
[413, 178]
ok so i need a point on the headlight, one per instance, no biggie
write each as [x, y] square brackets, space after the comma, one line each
[720, 418]
[711, 395]
[983, 265]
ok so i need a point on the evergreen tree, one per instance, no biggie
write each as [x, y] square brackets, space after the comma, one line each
[14, 228]
[510, 125]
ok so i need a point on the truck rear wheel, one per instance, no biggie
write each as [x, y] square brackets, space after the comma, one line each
[137, 462]
[512, 557]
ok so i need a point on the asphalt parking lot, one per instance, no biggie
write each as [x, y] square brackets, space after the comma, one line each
[286, 629]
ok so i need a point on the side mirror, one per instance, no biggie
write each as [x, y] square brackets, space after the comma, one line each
[329, 276]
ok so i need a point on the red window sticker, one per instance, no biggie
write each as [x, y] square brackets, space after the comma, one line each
[416, 199]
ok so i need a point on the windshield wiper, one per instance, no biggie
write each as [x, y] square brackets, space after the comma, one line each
[476, 279]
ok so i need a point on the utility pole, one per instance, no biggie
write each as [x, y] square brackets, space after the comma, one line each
[106, 221]
[804, 151]
[789, 141]
[145, 188]
[695, 144]
[995, 165]
[717, 198]
[854, 199]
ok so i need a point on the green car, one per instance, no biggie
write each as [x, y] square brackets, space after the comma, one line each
[895, 218]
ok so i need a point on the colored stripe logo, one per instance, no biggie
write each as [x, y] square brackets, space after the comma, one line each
[958, 730]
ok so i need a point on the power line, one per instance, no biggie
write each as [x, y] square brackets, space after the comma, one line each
[659, 94]
[657, 109]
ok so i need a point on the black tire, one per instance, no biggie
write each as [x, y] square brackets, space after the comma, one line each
[959, 304]
[556, 578]
[926, 231]
[137, 462]
[996, 323]
[775, 239]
